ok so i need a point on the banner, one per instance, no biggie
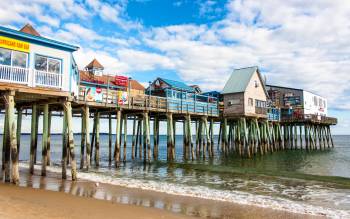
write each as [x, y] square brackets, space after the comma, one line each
[122, 97]
[93, 94]
[13, 44]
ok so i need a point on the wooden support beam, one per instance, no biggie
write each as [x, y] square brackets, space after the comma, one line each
[301, 136]
[170, 137]
[48, 143]
[140, 138]
[33, 136]
[133, 154]
[109, 139]
[19, 130]
[185, 139]
[138, 133]
[83, 139]
[64, 145]
[68, 108]
[125, 119]
[11, 151]
[117, 139]
[330, 136]
[148, 137]
[155, 137]
[87, 135]
[44, 139]
[93, 138]
[97, 141]
[190, 141]
[212, 137]
[5, 150]
[36, 134]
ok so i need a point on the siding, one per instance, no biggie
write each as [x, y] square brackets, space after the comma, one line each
[256, 93]
[237, 108]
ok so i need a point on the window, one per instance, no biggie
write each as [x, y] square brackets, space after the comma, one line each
[234, 102]
[43, 63]
[19, 59]
[260, 103]
[250, 101]
[5, 56]
[13, 58]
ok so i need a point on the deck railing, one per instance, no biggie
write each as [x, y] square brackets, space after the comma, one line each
[30, 77]
[14, 74]
[261, 110]
[48, 79]
[309, 118]
[154, 103]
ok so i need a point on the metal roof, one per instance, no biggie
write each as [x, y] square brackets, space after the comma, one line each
[239, 80]
[178, 85]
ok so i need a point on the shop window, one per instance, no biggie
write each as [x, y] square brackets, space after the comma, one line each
[43, 63]
[13, 58]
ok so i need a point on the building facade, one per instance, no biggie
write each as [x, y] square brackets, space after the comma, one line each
[296, 102]
[245, 94]
[28, 59]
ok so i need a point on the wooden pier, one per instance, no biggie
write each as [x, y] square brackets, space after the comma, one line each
[246, 127]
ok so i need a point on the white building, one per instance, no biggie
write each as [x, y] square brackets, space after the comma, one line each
[28, 59]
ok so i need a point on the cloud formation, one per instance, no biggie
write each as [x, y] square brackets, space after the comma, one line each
[302, 44]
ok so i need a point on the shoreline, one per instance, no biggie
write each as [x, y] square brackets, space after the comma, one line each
[163, 203]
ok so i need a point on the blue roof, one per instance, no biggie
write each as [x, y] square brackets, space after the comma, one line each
[178, 85]
[37, 39]
[211, 93]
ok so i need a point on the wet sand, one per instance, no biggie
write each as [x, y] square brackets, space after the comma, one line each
[85, 199]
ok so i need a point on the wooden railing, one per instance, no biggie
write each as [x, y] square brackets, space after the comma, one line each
[154, 103]
[309, 118]
[14, 74]
[260, 110]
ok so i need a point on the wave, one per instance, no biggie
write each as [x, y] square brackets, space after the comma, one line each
[237, 197]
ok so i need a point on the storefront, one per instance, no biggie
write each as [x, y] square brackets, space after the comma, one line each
[36, 61]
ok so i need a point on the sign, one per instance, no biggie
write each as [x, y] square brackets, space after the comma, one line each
[93, 94]
[122, 97]
[13, 44]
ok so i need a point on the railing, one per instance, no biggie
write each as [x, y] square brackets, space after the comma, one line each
[47, 79]
[309, 118]
[14, 74]
[260, 110]
[154, 102]
[30, 77]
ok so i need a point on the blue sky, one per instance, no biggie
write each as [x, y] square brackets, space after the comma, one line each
[295, 43]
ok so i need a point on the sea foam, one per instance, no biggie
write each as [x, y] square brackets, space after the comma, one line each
[237, 197]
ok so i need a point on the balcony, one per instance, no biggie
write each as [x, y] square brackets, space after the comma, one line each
[30, 77]
[261, 110]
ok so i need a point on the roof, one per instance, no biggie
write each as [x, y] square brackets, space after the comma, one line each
[104, 79]
[178, 85]
[135, 85]
[29, 36]
[29, 29]
[86, 76]
[239, 80]
[274, 86]
[211, 93]
[94, 64]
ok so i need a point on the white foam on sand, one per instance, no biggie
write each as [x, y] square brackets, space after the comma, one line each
[237, 197]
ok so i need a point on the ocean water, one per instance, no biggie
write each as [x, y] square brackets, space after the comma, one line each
[316, 182]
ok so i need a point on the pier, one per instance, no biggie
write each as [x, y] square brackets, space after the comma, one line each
[251, 121]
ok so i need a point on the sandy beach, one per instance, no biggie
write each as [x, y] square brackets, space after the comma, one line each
[51, 197]
[19, 202]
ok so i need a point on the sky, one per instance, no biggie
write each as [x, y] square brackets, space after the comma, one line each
[302, 44]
